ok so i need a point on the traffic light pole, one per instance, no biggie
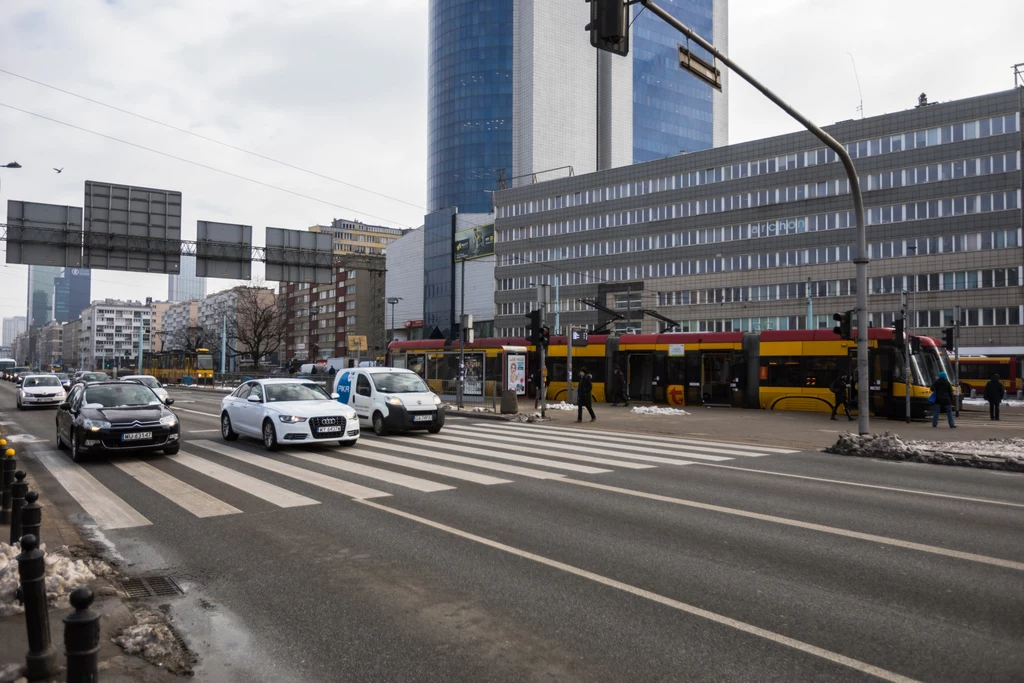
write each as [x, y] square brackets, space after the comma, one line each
[860, 258]
[956, 369]
[906, 352]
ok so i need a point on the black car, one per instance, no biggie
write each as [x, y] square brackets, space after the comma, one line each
[116, 417]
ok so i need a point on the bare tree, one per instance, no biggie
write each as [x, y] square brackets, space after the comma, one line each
[188, 338]
[260, 321]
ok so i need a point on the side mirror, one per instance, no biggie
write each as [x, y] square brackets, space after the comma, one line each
[65, 406]
[169, 401]
[335, 396]
[253, 399]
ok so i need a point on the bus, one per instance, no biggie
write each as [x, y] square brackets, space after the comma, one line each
[6, 364]
[976, 371]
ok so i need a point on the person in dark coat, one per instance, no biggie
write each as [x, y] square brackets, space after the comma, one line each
[943, 400]
[994, 393]
[619, 387]
[584, 397]
[536, 381]
[841, 388]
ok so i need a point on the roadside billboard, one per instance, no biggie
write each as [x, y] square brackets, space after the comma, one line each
[475, 242]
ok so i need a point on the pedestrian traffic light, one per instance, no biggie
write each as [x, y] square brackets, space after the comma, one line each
[609, 26]
[544, 338]
[533, 331]
[844, 326]
[947, 335]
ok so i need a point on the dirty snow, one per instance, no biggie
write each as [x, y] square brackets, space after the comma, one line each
[63, 575]
[561, 405]
[1007, 402]
[152, 639]
[994, 453]
[529, 418]
[657, 410]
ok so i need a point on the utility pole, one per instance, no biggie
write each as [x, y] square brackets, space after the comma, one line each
[224, 346]
[810, 307]
[956, 370]
[462, 337]
[906, 351]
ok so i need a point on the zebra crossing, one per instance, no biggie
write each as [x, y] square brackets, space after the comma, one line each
[465, 453]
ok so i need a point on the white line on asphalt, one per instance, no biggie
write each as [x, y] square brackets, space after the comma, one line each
[103, 505]
[868, 486]
[909, 545]
[309, 476]
[199, 503]
[374, 473]
[583, 469]
[467, 435]
[464, 475]
[390, 445]
[744, 627]
[196, 412]
[256, 487]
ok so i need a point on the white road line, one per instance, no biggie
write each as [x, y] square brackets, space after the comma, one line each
[468, 436]
[201, 431]
[196, 412]
[309, 476]
[544, 462]
[640, 445]
[103, 505]
[909, 545]
[255, 487]
[987, 501]
[199, 503]
[693, 610]
[405, 480]
[652, 437]
[464, 475]
[390, 445]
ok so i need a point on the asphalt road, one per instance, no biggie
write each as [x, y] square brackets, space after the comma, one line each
[756, 566]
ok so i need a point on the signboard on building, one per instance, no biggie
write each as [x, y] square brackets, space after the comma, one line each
[356, 342]
[475, 242]
[515, 373]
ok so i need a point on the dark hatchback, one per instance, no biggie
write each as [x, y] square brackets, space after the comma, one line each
[116, 417]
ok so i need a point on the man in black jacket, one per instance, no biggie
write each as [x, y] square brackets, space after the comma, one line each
[994, 393]
[585, 399]
[840, 387]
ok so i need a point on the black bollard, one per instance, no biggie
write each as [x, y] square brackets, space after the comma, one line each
[18, 491]
[41, 660]
[31, 517]
[6, 480]
[82, 638]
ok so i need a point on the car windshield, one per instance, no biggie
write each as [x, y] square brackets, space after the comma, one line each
[399, 383]
[61, 375]
[48, 381]
[307, 391]
[117, 396]
[95, 377]
[147, 380]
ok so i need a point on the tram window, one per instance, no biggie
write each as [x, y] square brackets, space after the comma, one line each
[797, 371]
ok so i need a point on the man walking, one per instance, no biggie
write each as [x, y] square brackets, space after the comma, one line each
[584, 398]
[994, 393]
[619, 388]
[841, 388]
[943, 391]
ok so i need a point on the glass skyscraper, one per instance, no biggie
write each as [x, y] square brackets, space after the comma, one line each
[72, 294]
[40, 294]
[185, 285]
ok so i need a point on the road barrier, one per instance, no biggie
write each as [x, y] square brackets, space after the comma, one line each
[41, 660]
[82, 638]
[31, 518]
[18, 491]
[6, 481]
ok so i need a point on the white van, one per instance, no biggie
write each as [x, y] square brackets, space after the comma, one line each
[390, 399]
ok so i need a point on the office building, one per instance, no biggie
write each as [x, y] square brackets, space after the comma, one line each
[41, 281]
[109, 333]
[72, 292]
[159, 310]
[179, 330]
[185, 285]
[405, 282]
[12, 328]
[739, 237]
[71, 343]
[356, 237]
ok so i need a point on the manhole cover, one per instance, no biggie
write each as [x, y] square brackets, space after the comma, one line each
[150, 587]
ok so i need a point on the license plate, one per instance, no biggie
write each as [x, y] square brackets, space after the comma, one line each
[330, 429]
[137, 436]
[423, 418]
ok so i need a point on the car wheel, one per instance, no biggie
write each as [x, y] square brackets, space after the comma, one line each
[56, 437]
[171, 450]
[379, 428]
[226, 431]
[269, 436]
[353, 442]
[76, 455]
[434, 430]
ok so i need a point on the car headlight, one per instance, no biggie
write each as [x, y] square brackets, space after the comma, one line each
[291, 419]
[394, 401]
[437, 400]
[95, 425]
[169, 420]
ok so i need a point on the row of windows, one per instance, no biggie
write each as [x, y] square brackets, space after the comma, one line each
[999, 239]
[952, 280]
[970, 130]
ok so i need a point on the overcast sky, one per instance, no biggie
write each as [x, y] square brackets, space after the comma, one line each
[340, 88]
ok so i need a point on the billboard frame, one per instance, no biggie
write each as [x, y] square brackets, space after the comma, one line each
[299, 256]
[44, 234]
[471, 251]
[125, 230]
[223, 250]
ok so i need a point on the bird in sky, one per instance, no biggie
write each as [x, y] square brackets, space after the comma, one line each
[58, 170]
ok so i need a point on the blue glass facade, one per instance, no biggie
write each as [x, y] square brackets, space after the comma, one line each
[439, 272]
[672, 110]
[469, 119]
[72, 293]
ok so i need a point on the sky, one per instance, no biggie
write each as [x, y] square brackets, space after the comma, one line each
[339, 88]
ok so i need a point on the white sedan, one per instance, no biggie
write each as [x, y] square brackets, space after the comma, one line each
[151, 382]
[40, 390]
[287, 410]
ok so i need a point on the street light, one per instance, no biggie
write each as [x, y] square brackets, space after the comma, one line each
[12, 164]
[393, 300]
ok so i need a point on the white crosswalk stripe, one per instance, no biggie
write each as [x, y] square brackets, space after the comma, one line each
[393, 445]
[450, 472]
[405, 480]
[472, 436]
[251, 485]
[199, 503]
[105, 507]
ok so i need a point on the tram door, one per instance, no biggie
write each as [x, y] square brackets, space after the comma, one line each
[640, 376]
[716, 378]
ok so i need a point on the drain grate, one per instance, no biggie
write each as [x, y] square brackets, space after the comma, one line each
[150, 587]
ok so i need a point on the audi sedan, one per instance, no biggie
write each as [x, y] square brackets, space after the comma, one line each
[40, 390]
[116, 417]
[287, 411]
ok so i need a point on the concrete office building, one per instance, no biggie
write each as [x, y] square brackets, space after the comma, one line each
[185, 285]
[737, 237]
[356, 237]
[180, 327]
[109, 334]
[404, 280]
[442, 276]
[71, 343]
[12, 328]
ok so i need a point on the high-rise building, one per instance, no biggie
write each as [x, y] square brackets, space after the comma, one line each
[356, 237]
[109, 333]
[72, 293]
[40, 294]
[12, 328]
[185, 285]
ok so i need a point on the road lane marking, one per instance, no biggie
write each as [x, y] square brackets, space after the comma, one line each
[867, 486]
[465, 475]
[256, 487]
[909, 545]
[201, 431]
[693, 610]
[405, 480]
[390, 445]
[199, 503]
[309, 476]
[467, 435]
[196, 412]
[544, 462]
[107, 509]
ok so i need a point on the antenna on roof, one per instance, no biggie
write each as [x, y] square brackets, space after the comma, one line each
[859, 92]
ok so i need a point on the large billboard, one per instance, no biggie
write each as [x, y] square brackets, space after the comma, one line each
[132, 228]
[471, 243]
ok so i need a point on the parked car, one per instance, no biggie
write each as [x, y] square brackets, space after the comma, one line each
[390, 399]
[286, 410]
[92, 377]
[151, 382]
[40, 390]
[116, 417]
[65, 380]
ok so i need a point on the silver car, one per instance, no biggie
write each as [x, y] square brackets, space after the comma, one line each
[149, 381]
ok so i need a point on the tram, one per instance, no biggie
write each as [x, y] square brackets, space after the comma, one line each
[172, 367]
[976, 371]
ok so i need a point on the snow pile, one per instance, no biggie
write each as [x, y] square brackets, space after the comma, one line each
[992, 448]
[63, 575]
[888, 446]
[561, 405]
[657, 410]
[530, 418]
[1006, 403]
[152, 638]
[1001, 454]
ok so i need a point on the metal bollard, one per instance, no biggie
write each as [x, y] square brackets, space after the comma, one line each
[18, 491]
[41, 660]
[31, 517]
[82, 638]
[6, 480]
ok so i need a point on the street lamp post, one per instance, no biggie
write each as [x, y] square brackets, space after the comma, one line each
[11, 164]
[393, 301]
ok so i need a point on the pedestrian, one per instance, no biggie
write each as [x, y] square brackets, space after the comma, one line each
[537, 382]
[619, 387]
[841, 388]
[584, 397]
[994, 393]
[943, 391]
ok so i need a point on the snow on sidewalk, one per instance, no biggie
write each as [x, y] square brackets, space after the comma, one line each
[1007, 402]
[657, 410]
[63, 575]
[993, 453]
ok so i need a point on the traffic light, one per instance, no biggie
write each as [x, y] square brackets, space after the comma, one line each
[533, 331]
[947, 335]
[915, 345]
[544, 338]
[609, 26]
[900, 330]
[844, 327]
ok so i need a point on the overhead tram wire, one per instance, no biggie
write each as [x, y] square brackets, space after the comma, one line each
[201, 165]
